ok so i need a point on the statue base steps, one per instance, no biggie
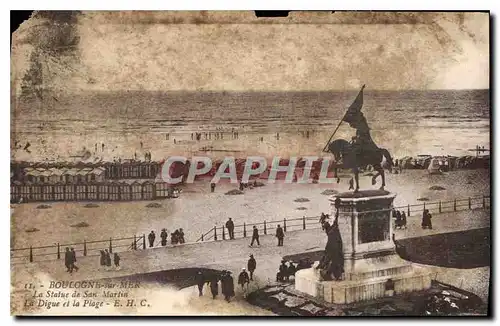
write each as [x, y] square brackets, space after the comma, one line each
[368, 281]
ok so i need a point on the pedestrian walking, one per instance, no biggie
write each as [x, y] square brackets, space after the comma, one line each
[151, 238]
[73, 260]
[243, 279]
[67, 260]
[280, 235]
[227, 285]
[255, 236]
[200, 282]
[214, 286]
[116, 260]
[230, 228]
[212, 187]
[252, 265]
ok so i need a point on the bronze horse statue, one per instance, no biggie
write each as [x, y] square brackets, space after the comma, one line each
[355, 156]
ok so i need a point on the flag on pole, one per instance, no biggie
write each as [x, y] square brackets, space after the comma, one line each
[353, 113]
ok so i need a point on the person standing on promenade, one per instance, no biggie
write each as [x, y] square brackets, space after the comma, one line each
[214, 286]
[212, 187]
[255, 236]
[151, 238]
[116, 260]
[200, 282]
[227, 284]
[230, 228]
[280, 235]
[67, 260]
[108, 259]
[252, 265]
[243, 279]
[73, 260]
[163, 236]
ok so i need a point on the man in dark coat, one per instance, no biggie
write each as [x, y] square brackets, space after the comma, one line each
[67, 260]
[103, 258]
[426, 220]
[403, 219]
[243, 278]
[230, 228]
[163, 236]
[252, 265]
[151, 238]
[108, 258]
[181, 236]
[116, 260]
[200, 281]
[214, 286]
[212, 187]
[227, 284]
[283, 271]
[73, 260]
[255, 236]
[280, 235]
[291, 270]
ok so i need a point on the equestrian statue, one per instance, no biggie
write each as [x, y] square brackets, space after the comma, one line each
[362, 150]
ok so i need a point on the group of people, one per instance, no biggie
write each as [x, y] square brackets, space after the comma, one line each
[176, 237]
[225, 279]
[400, 221]
[426, 220]
[70, 260]
[285, 272]
[105, 260]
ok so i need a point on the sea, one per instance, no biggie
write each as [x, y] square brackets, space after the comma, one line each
[130, 123]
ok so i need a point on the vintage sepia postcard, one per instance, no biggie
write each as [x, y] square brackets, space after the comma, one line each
[247, 163]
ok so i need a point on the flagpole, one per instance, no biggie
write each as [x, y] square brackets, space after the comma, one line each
[338, 126]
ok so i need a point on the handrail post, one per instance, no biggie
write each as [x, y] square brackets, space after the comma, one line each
[439, 206]
[284, 224]
[110, 246]
[31, 254]
[143, 241]
[58, 251]
[455, 205]
[223, 233]
[85, 247]
[408, 210]
[215, 233]
[303, 223]
[135, 243]
[470, 204]
[202, 237]
[244, 230]
[265, 228]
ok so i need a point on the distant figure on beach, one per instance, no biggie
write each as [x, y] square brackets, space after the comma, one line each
[67, 260]
[102, 259]
[116, 260]
[95, 149]
[200, 282]
[351, 184]
[243, 279]
[174, 237]
[175, 142]
[278, 136]
[151, 238]
[102, 147]
[163, 236]
[73, 260]
[230, 228]
[214, 286]
[403, 219]
[251, 265]
[426, 220]
[141, 145]
[167, 136]
[212, 187]
[255, 236]
[280, 235]
[108, 259]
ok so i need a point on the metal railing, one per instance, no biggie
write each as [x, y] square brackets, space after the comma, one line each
[83, 249]
[267, 227]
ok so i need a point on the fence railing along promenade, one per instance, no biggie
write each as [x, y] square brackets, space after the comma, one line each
[217, 233]
[267, 227]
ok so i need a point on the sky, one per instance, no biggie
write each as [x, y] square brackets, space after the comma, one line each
[120, 51]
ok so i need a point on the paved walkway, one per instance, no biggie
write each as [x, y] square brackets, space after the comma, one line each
[232, 254]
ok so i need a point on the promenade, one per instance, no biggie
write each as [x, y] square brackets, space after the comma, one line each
[233, 254]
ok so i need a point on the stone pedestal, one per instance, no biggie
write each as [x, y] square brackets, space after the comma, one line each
[372, 269]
